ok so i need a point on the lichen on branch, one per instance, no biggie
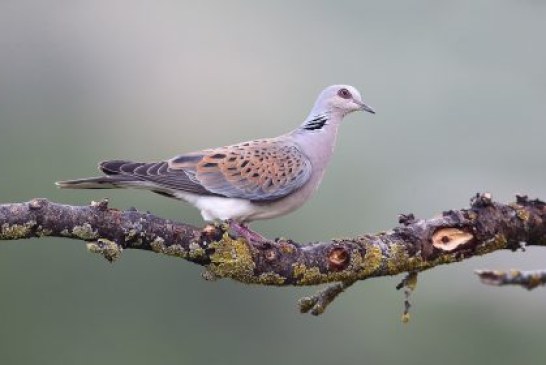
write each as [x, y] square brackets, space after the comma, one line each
[413, 246]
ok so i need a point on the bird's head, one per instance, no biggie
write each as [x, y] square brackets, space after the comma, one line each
[341, 98]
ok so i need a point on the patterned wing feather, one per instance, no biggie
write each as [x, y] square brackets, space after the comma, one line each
[259, 170]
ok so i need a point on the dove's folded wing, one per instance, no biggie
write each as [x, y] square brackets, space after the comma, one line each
[261, 170]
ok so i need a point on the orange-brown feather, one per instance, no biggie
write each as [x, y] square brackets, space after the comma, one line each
[261, 168]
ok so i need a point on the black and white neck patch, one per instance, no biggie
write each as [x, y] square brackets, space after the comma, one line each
[316, 123]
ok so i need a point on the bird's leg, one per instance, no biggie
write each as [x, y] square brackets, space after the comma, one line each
[243, 230]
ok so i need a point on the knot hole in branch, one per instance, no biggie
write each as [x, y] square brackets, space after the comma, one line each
[338, 258]
[450, 239]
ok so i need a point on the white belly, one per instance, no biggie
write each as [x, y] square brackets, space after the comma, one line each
[218, 208]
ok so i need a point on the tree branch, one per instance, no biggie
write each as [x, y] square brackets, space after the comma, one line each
[414, 246]
[527, 279]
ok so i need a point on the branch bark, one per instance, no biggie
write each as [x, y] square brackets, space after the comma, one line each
[526, 279]
[413, 246]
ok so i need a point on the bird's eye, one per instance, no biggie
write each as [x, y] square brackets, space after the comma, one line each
[344, 93]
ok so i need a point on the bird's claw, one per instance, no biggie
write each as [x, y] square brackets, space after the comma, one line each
[242, 230]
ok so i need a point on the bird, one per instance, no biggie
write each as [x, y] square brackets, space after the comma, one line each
[248, 181]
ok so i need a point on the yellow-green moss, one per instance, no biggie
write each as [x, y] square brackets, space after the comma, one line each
[286, 247]
[85, 232]
[195, 251]
[398, 260]
[158, 245]
[16, 231]
[521, 212]
[307, 275]
[498, 242]
[42, 232]
[175, 250]
[271, 278]
[109, 249]
[232, 258]
[373, 258]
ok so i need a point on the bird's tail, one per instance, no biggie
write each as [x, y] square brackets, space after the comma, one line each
[118, 174]
[101, 182]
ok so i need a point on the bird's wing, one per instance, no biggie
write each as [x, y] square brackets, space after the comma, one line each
[260, 170]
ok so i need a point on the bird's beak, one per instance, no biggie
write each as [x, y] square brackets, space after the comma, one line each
[364, 107]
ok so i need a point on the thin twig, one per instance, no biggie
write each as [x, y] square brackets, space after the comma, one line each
[527, 279]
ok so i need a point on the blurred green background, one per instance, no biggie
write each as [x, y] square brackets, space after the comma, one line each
[460, 90]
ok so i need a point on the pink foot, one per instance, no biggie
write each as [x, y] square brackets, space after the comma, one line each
[244, 231]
